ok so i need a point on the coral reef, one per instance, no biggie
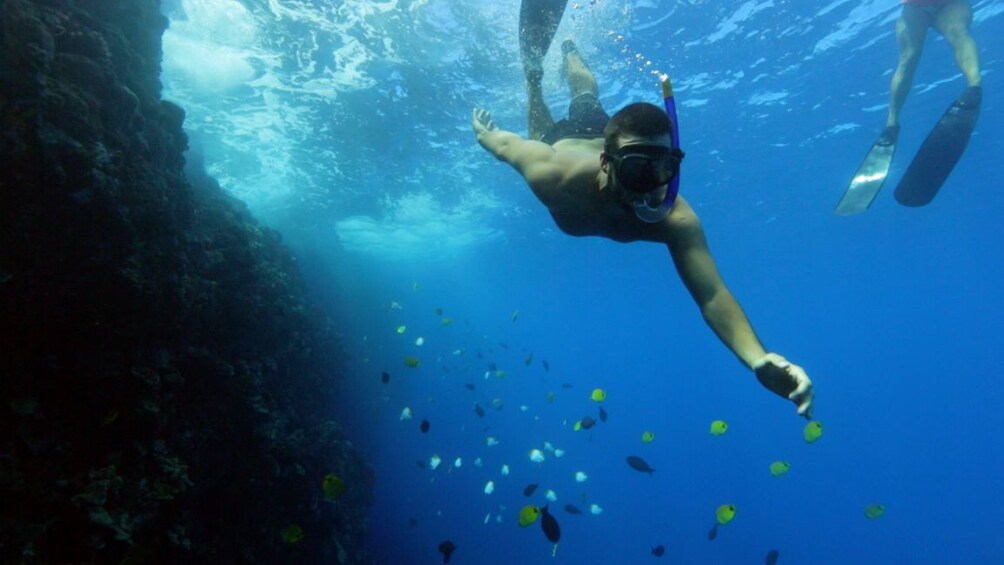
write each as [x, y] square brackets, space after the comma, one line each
[166, 384]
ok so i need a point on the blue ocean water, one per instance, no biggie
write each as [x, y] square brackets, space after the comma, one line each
[346, 125]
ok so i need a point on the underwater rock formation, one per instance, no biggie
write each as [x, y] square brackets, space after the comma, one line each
[166, 385]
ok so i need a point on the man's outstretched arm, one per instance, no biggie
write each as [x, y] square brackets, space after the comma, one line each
[725, 316]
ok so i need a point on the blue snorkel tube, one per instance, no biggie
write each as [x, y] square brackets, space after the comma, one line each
[642, 210]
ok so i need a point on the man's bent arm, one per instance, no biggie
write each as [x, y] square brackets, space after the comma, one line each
[532, 159]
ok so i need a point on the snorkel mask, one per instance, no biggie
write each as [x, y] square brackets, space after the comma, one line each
[642, 170]
[644, 173]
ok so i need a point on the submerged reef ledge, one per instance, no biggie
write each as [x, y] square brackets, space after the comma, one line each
[167, 387]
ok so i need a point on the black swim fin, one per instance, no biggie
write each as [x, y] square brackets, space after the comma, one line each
[538, 22]
[941, 150]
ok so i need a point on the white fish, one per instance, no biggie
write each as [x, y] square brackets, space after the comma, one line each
[478, 462]
[488, 517]
[420, 341]
[537, 456]
[457, 351]
[406, 413]
[523, 407]
[395, 306]
[595, 509]
[457, 462]
[581, 477]
[489, 487]
[490, 441]
[559, 452]
[548, 446]
[550, 495]
[505, 470]
[434, 462]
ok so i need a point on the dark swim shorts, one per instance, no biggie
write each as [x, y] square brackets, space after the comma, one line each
[586, 119]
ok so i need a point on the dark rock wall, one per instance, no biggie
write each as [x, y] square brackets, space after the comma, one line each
[166, 385]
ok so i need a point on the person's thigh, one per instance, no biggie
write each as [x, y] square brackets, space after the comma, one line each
[955, 17]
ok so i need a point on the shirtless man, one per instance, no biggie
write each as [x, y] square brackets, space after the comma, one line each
[952, 18]
[610, 178]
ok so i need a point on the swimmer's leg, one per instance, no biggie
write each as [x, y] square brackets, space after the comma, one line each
[578, 74]
[953, 22]
[911, 29]
[539, 117]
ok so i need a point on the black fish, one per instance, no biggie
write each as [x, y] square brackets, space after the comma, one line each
[713, 533]
[771, 558]
[493, 367]
[588, 422]
[447, 548]
[385, 377]
[479, 410]
[546, 366]
[412, 522]
[469, 386]
[549, 525]
[439, 311]
[421, 463]
[424, 426]
[572, 509]
[530, 489]
[639, 464]
[567, 385]
[603, 414]
[658, 551]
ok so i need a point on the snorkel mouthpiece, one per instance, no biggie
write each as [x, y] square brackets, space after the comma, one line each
[648, 214]
[642, 210]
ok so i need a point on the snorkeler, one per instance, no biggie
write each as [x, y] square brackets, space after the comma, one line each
[952, 19]
[945, 143]
[612, 178]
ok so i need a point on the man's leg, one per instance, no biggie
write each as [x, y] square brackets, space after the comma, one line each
[539, 116]
[580, 78]
[911, 29]
[953, 22]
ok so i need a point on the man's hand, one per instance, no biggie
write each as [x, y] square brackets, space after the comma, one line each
[481, 121]
[785, 379]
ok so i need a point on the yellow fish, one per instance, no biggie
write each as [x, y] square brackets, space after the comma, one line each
[647, 437]
[779, 468]
[812, 432]
[333, 486]
[446, 321]
[411, 361]
[528, 515]
[292, 533]
[873, 511]
[725, 513]
[598, 395]
[718, 427]
[402, 329]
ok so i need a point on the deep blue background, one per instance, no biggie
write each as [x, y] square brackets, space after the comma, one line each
[894, 313]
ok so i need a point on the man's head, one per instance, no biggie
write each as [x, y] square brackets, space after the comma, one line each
[638, 120]
[640, 159]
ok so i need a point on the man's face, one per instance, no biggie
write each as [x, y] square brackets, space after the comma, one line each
[641, 167]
